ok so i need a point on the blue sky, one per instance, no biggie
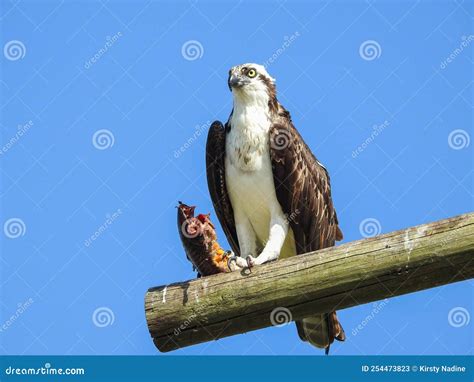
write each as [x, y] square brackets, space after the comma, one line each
[119, 95]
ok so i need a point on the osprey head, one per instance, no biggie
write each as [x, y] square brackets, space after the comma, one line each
[248, 79]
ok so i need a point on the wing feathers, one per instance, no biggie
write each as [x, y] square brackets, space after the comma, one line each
[303, 190]
[215, 170]
[302, 185]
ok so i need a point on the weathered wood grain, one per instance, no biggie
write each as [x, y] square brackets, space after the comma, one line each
[393, 264]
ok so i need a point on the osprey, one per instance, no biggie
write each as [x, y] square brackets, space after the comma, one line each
[270, 193]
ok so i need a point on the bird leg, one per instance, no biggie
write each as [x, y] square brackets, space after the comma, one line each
[247, 240]
[278, 232]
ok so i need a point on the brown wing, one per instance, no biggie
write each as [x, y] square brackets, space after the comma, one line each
[304, 192]
[302, 187]
[215, 169]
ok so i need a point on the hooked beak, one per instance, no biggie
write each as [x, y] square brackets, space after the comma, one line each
[237, 81]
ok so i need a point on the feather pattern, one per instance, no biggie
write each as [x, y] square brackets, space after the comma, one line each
[215, 170]
[302, 187]
[303, 190]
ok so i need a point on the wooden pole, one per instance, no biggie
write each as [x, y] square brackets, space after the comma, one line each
[405, 261]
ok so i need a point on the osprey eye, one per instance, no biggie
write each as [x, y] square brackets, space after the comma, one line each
[251, 73]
